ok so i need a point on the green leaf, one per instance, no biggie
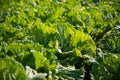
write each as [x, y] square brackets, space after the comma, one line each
[11, 70]
[35, 60]
[71, 39]
[42, 33]
[69, 73]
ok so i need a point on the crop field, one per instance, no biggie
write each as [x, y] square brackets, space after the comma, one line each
[59, 39]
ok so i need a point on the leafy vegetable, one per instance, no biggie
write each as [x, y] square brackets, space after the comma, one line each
[11, 70]
[59, 39]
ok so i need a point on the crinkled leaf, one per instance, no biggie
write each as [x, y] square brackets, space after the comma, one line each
[69, 73]
[11, 70]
